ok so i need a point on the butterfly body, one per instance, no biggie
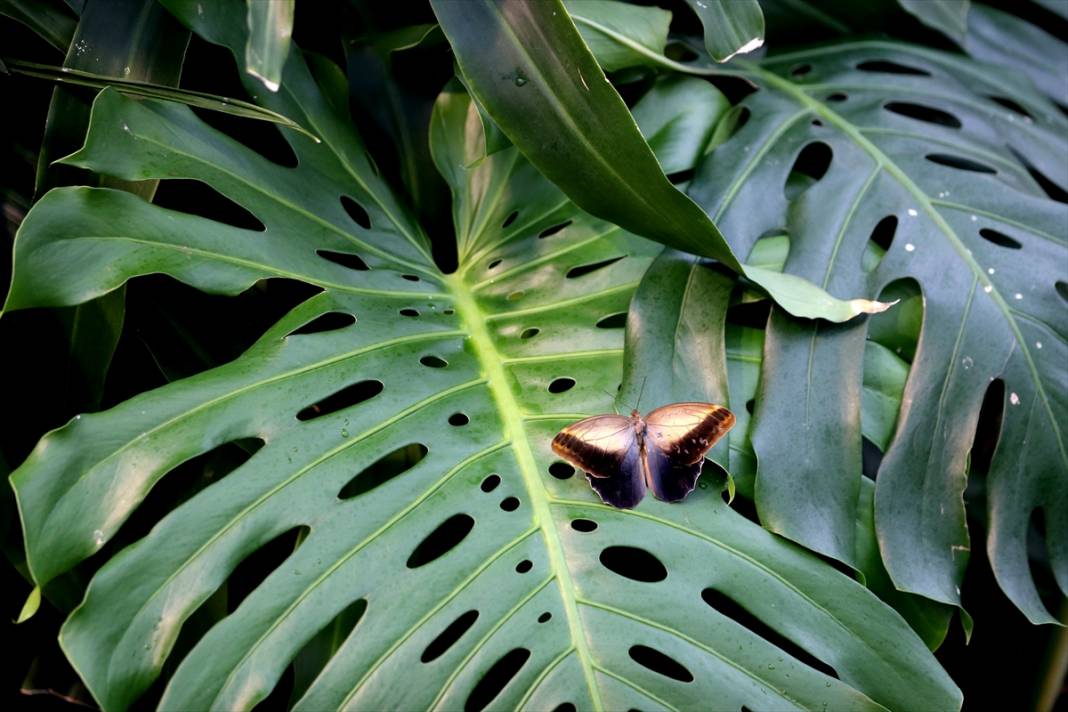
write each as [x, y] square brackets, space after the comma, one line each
[624, 457]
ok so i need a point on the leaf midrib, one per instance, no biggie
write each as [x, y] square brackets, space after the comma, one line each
[493, 367]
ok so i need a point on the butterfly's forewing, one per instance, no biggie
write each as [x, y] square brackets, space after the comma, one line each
[677, 437]
[606, 448]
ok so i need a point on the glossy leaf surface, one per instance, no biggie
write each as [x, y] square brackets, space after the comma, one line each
[873, 132]
[461, 380]
[732, 27]
[556, 105]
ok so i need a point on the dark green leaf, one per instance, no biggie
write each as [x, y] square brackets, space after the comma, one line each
[201, 100]
[544, 89]
[50, 19]
[934, 159]
[950, 17]
[1007, 41]
[440, 346]
[621, 35]
[731, 27]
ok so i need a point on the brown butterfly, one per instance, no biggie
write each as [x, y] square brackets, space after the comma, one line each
[623, 456]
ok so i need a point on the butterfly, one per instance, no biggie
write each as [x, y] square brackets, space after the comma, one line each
[625, 456]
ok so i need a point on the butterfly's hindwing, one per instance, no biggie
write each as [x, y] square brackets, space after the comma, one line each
[626, 487]
[670, 479]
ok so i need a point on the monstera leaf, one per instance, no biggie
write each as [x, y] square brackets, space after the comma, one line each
[399, 421]
[894, 168]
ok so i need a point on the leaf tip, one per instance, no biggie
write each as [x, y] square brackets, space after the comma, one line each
[29, 608]
[750, 46]
[867, 306]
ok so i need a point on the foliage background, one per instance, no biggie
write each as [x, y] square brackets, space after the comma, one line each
[170, 330]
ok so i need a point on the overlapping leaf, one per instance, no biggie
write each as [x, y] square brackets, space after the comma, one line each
[925, 142]
[463, 378]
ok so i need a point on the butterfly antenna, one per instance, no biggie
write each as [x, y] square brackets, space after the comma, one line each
[615, 408]
[640, 391]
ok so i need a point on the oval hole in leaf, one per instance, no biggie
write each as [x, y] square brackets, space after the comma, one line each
[583, 525]
[882, 236]
[633, 563]
[493, 264]
[564, 707]
[1012, 106]
[922, 112]
[749, 405]
[545, 617]
[999, 238]
[613, 321]
[752, 314]
[317, 652]
[1062, 289]
[811, 165]
[410, 277]
[432, 361]
[409, 312]
[744, 507]
[510, 504]
[837, 97]
[459, 419]
[530, 332]
[800, 70]
[356, 212]
[727, 606]
[330, 321]
[681, 176]
[550, 231]
[887, 67]
[987, 428]
[510, 219]
[197, 198]
[660, 663]
[263, 137]
[523, 566]
[261, 563]
[441, 541]
[448, 637]
[901, 332]
[871, 458]
[345, 259]
[180, 484]
[959, 162]
[490, 483]
[383, 470]
[560, 385]
[1051, 189]
[582, 270]
[495, 679]
[561, 470]
[345, 398]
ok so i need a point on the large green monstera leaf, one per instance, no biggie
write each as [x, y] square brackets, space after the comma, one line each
[889, 166]
[403, 420]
